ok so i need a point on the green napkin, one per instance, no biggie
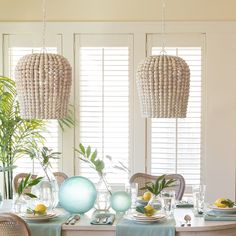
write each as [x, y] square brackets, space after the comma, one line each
[131, 228]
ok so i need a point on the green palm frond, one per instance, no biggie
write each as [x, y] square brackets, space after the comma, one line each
[69, 120]
[160, 184]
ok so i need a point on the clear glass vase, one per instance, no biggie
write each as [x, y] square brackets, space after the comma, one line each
[47, 189]
[20, 204]
[102, 203]
[155, 202]
[1, 200]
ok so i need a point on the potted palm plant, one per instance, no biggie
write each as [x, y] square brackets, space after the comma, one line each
[16, 134]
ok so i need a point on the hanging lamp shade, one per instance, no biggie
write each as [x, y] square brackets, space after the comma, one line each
[163, 86]
[43, 83]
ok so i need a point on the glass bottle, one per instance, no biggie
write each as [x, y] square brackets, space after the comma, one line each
[102, 203]
[155, 202]
[47, 189]
[19, 203]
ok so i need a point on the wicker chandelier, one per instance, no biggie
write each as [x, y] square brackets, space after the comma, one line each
[43, 83]
[163, 84]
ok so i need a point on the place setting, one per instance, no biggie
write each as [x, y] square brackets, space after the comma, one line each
[155, 205]
[221, 210]
[40, 213]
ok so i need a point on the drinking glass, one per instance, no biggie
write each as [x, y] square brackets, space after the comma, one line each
[132, 189]
[168, 201]
[199, 198]
[1, 200]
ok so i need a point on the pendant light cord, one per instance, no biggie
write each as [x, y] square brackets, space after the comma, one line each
[163, 26]
[44, 26]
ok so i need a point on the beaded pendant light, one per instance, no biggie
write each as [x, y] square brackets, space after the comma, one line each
[163, 84]
[43, 83]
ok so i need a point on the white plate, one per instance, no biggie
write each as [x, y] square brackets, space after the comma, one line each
[48, 216]
[227, 209]
[145, 219]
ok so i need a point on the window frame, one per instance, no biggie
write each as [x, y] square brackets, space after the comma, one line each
[181, 40]
[104, 40]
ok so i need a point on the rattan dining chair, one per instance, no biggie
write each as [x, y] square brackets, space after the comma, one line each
[60, 177]
[17, 179]
[13, 225]
[142, 178]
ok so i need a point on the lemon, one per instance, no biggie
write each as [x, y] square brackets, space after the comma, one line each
[223, 203]
[149, 210]
[40, 209]
[147, 196]
[219, 203]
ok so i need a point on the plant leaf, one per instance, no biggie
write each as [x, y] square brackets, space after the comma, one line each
[94, 155]
[82, 149]
[31, 195]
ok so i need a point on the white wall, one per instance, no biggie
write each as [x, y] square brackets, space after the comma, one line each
[118, 10]
[220, 114]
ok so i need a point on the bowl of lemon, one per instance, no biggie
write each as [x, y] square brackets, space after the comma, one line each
[223, 205]
[145, 198]
[39, 213]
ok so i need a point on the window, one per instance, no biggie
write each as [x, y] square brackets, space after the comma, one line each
[52, 137]
[175, 144]
[104, 101]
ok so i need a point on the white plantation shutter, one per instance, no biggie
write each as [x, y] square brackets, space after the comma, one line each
[52, 136]
[104, 102]
[175, 144]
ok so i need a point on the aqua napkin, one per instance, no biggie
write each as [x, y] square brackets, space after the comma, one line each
[48, 228]
[184, 204]
[131, 228]
[219, 216]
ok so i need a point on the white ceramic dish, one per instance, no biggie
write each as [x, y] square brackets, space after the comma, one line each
[227, 209]
[145, 219]
[48, 216]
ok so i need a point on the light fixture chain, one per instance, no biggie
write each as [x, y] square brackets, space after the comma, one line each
[44, 25]
[163, 26]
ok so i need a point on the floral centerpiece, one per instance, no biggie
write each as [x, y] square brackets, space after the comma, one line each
[154, 189]
[104, 191]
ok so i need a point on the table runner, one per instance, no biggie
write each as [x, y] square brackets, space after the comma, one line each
[48, 228]
[131, 228]
[219, 216]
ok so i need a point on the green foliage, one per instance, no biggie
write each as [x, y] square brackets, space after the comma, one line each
[16, 134]
[91, 158]
[119, 165]
[228, 203]
[69, 120]
[27, 182]
[140, 209]
[93, 161]
[160, 184]
[43, 155]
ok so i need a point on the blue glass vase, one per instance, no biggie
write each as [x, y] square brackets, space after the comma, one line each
[120, 201]
[77, 194]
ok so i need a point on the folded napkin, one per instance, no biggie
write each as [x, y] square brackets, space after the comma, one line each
[130, 228]
[183, 204]
[103, 219]
[219, 216]
[51, 227]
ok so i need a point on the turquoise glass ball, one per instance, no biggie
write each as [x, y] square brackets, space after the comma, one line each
[120, 201]
[77, 194]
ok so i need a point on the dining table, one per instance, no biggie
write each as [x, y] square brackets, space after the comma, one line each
[199, 226]
[83, 227]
